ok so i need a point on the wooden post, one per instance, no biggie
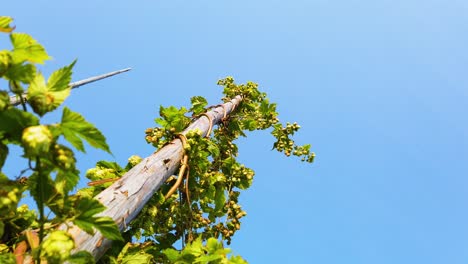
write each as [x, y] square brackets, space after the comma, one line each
[126, 197]
[15, 100]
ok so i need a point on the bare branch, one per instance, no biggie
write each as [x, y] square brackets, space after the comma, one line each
[15, 100]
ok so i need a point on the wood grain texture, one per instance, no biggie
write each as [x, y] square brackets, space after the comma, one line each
[126, 197]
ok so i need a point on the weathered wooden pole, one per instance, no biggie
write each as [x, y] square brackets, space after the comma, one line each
[15, 100]
[127, 196]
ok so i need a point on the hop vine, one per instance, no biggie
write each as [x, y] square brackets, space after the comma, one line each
[185, 226]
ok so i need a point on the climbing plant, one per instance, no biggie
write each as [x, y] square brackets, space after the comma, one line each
[188, 220]
[50, 173]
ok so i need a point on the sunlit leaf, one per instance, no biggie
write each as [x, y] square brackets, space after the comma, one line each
[198, 105]
[61, 78]
[208, 258]
[237, 260]
[25, 48]
[5, 24]
[173, 118]
[75, 128]
[171, 254]
[20, 72]
[109, 165]
[212, 245]
[42, 99]
[137, 258]
[195, 248]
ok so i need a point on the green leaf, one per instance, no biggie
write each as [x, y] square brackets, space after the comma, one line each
[81, 257]
[228, 163]
[137, 258]
[171, 254]
[108, 228]
[25, 48]
[237, 260]
[213, 149]
[61, 78]
[193, 249]
[266, 108]
[85, 225]
[212, 245]
[43, 100]
[109, 165]
[173, 118]
[133, 254]
[44, 97]
[5, 24]
[13, 122]
[105, 225]
[249, 124]
[75, 127]
[21, 72]
[5, 59]
[41, 187]
[87, 208]
[210, 193]
[198, 105]
[69, 178]
[220, 199]
[208, 258]
[244, 184]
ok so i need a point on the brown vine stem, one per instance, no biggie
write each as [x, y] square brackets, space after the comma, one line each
[125, 198]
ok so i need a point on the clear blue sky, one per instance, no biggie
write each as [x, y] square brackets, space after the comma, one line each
[379, 87]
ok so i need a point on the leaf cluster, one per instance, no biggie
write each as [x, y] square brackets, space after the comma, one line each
[203, 213]
[50, 173]
[206, 207]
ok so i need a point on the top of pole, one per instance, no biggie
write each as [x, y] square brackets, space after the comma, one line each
[14, 100]
[97, 78]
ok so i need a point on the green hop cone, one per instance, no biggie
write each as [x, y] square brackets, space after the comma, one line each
[40, 103]
[10, 194]
[36, 140]
[4, 100]
[57, 246]
[133, 161]
[27, 216]
[64, 157]
[99, 173]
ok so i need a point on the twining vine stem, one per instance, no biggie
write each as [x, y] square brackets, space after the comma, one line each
[126, 197]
